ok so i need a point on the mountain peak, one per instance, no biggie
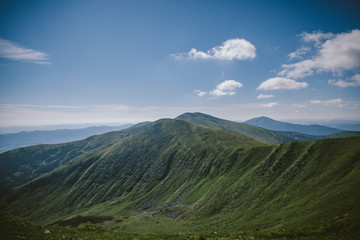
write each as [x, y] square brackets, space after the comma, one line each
[192, 114]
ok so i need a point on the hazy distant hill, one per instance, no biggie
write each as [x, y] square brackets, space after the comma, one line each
[23, 139]
[175, 176]
[272, 124]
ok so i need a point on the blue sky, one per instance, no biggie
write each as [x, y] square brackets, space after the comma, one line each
[74, 62]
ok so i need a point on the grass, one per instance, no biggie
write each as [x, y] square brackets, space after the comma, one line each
[16, 228]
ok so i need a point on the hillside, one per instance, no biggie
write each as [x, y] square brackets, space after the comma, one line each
[24, 164]
[23, 139]
[258, 133]
[172, 176]
[272, 124]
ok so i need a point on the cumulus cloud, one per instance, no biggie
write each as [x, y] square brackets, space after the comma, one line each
[337, 102]
[228, 87]
[353, 82]
[232, 49]
[336, 55]
[270, 105]
[298, 53]
[316, 37]
[281, 83]
[11, 50]
[264, 96]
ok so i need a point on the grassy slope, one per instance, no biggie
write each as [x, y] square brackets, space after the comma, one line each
[188, 178]
[258, 133]
[22, 165]
[134, 165]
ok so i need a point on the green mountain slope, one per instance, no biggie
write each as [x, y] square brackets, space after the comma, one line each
[24, 164]
[133, 165]
[272, 124]
[176, 177]
[258, 133]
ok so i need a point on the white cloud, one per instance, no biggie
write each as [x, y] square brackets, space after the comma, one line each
[335, 55]
[200, 93]
[232, 49]
[270, 105]
[281, 83]
[12, 51]
[337, 102]
[228, 87]
[264, 96]
[117, 114]
[299, 105]
[298, 53]
[316, 37]
[353, 82]
[40, 106]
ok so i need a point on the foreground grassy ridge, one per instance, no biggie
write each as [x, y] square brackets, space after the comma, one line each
[177, 178]
[16, 228]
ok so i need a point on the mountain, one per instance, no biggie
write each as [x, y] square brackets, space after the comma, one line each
[23, 139]
[258, 133]
[24, 164]
[174, 176]
[272, 124]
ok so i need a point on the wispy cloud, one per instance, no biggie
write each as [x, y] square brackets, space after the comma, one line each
[338, 54]
[298, 53]
[264, 96]
[352, 82]
[228, 87]
[13, 51]
[316, 37]
[39, 106]
[299, 105]
[337, 102]
[281, 83]
[232, 49]
[270, 105]
[200, 93]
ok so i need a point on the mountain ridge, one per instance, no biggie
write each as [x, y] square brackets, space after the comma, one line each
[194, 178]
[271, 124]
[258, 133]
[29, 138]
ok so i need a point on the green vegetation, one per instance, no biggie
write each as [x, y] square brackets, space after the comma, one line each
[174, 180]
[258, 133]
[14, 228]
[24, 164]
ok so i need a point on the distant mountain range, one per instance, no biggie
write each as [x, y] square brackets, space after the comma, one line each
[193, 173]
[23, 139]
[262, 129]
[272, 124]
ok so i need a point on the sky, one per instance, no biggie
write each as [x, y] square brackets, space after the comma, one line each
[97, 62]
